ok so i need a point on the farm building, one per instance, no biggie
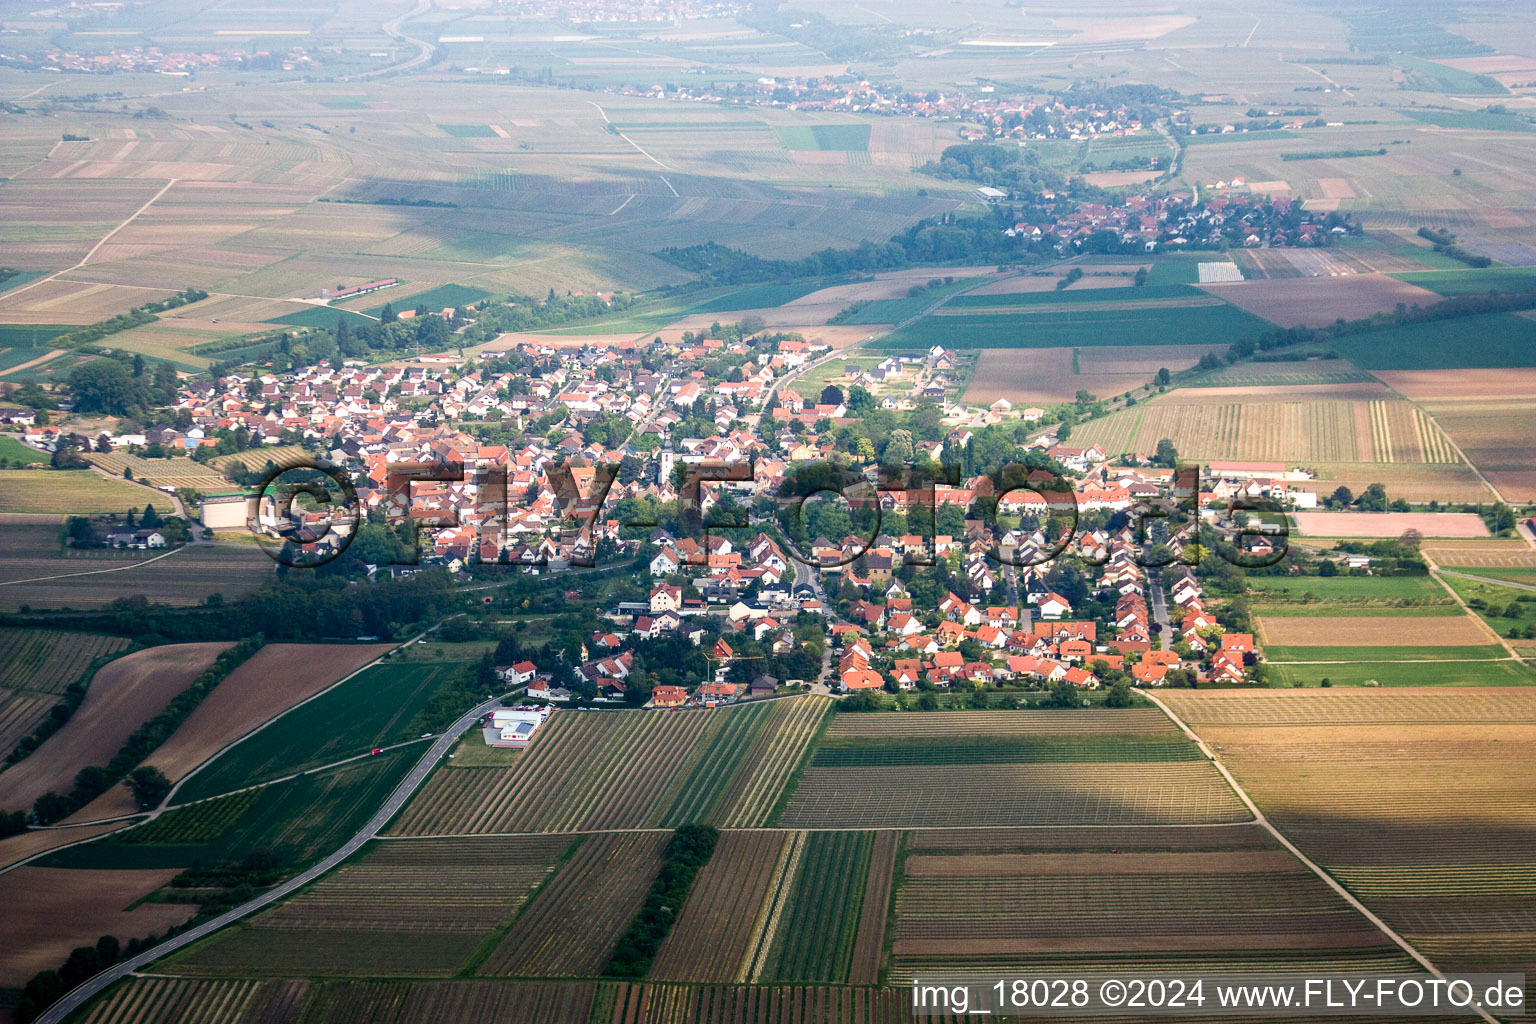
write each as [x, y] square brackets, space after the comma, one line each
[224, 511]
[513, 727]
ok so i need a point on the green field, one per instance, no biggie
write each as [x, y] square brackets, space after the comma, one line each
[1072, 297]
[1486, 340]
[849, 138]
[1471, 120]
[29, 338]
[1275, 589]
[1399, 653]
[1268, 135]
[891, 311]
[1473, 280]
[468, 131]
[320, 316]
[814, 940]
[435, 299]
[302, 818]
[1492, 595]
[1196, 325]
[373, 709]
[70, 491]
[13, 451]
[1459, 673]
[760, 296]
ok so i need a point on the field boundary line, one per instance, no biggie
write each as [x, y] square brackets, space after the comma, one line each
[88, 989]
[105, 239]
[95, 572]
[1434, 570]
[638, 148]
[1310, 864]
[164, 804]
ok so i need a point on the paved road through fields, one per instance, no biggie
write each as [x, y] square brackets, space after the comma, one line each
[86, 990]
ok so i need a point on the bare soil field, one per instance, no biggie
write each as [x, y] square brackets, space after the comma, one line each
[1436, 386]
[1389, 524]
[123, 695]
[1373, 631]
[1318, 301]
[50, 911]
[277, 677]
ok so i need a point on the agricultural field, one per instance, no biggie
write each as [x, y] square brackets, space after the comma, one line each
[569, 927]
[69, 491]
[1353, 434]
[725, 917]
[1489, 414]
[151, 1000]
[1126, 323]
[40, 576]
[256, 458]
[1047, 376]
[413, 908]
[174, 472]
[51, 911]
[986, 901]
[372, 709]
[1282, 596]
[817, 913]
[300, 819]
[1387, 672]
[1403, 632]
[851, 138]
[1389, 525]
[1506, 610]
[1501, 340]
[1085, 767]
[628, 769]
[123, 695]
[35, 667]
[270, 682]
[1417, 800]
[1319, 301]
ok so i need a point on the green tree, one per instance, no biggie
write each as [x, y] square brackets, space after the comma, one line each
[149, 785]
[103, 385]
[1119, 695]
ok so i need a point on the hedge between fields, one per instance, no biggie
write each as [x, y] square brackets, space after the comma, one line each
[94, 780]
[689, 850]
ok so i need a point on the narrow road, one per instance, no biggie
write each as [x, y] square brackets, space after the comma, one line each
[1327, 879]
[638, 148]
[91, 572]
[88, 989]
[1487, 579]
